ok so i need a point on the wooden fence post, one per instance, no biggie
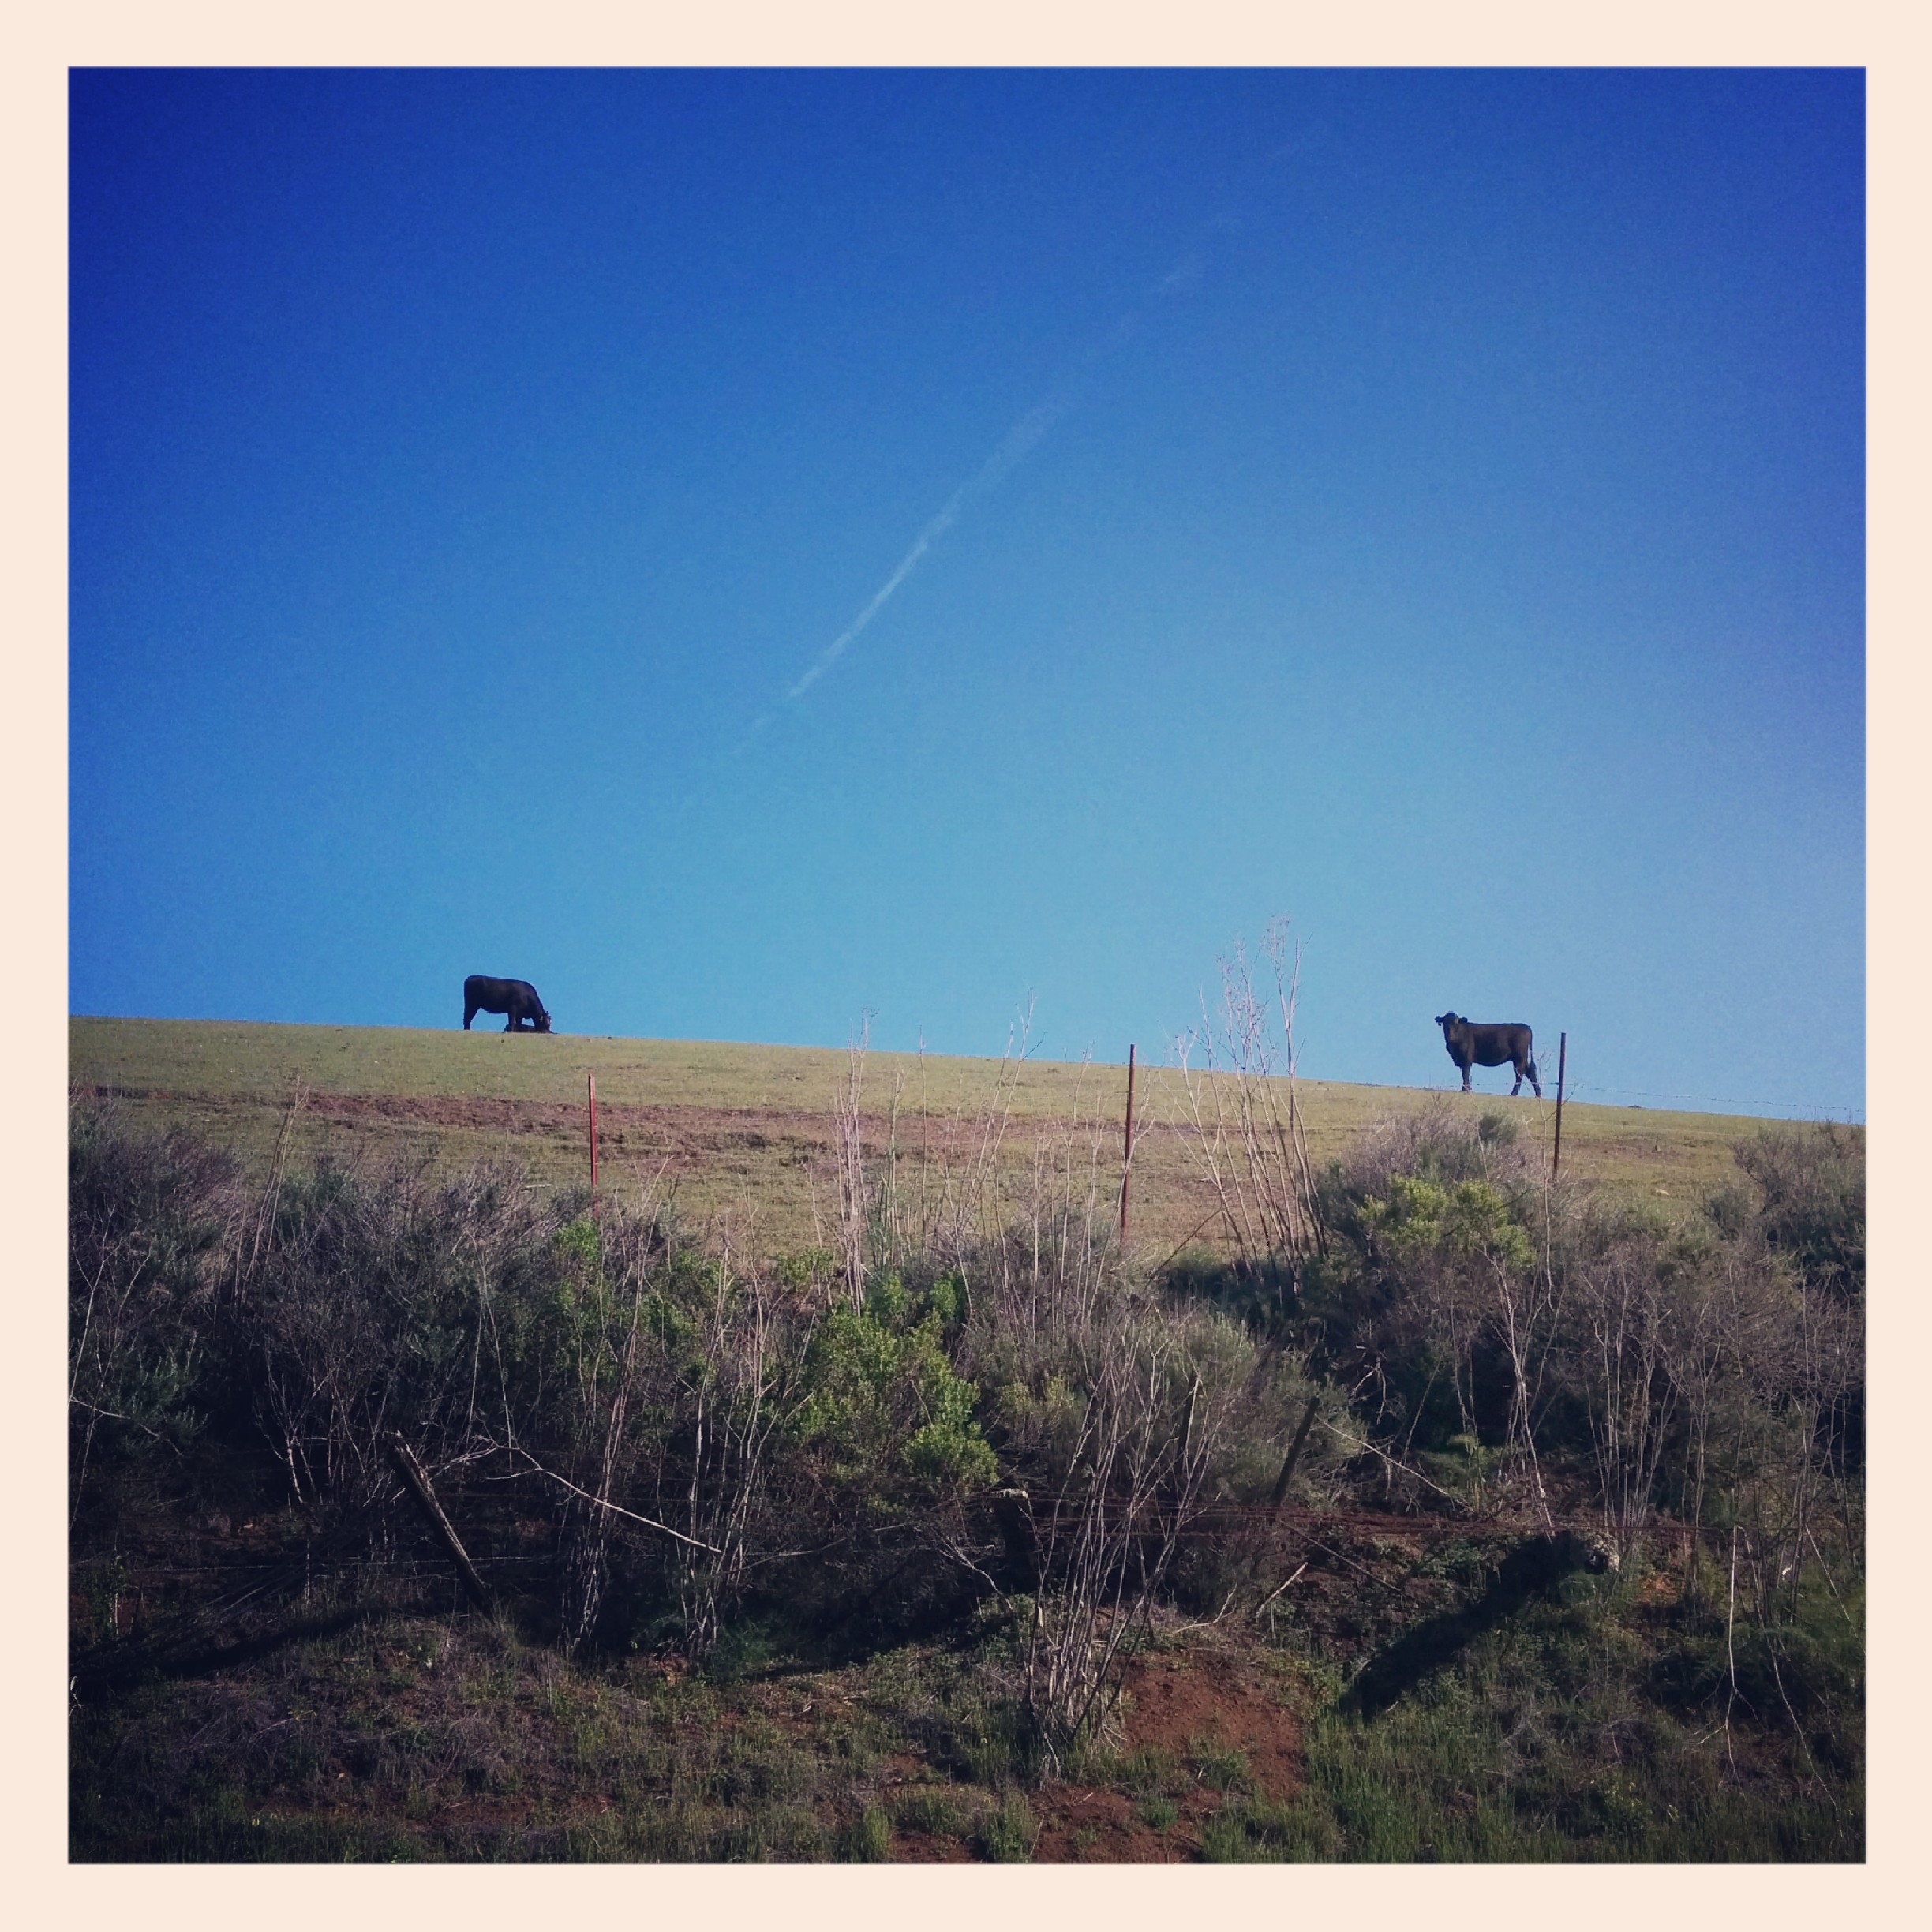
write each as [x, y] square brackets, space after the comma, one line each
[416, 1481]
[1563, 1055]
[1294, 1456]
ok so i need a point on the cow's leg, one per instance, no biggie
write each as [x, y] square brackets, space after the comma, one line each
[1534, 1082]
[469, 1013]
[1466, 1074]
[1518, 1088]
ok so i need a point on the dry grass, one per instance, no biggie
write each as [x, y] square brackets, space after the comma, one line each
[751, 1133]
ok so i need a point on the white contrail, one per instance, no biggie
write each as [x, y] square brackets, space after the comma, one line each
[1019, 440]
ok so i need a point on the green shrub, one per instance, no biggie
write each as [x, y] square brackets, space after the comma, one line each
[1010, 1831]
[1468, 1220]
[886, 1411]
[867, 1841]
[930, 1810]
[1220, 1767]
[579, 1244]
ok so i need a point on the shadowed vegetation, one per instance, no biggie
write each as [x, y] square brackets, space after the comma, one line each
[1517, 1521]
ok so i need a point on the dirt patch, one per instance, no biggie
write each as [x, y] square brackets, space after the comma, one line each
[921, 1847]
[1082, 1827]
[1214, 1721]
[1227, 1700]
[638, 1129]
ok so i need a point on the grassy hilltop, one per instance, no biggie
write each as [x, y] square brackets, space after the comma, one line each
[879, 1504]
[750, 1131]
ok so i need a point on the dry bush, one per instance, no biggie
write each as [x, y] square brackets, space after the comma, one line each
[1627, 1323]
[1117, 1411]
[373, 1308]
[663, 1381]
[899, 1208]
[1241, 1123]
[151, 1233]
[693, 1432]
[1439, 1141]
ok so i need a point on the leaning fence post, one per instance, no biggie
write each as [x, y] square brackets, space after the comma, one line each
[1127, 1146]
[416, 1481]
[593, 1143]
[1294, 1456]
[1261, 1529]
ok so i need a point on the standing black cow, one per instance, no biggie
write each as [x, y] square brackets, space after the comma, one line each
[1506, 1044]
[515, 997]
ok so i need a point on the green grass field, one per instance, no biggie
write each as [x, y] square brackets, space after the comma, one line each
[749, 1132]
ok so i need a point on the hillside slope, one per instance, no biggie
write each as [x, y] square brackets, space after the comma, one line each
[749, 1132]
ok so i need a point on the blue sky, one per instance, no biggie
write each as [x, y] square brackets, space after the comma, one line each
[1431, 505]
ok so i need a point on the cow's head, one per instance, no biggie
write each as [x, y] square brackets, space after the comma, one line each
[1449, 1019]
[542, 1021]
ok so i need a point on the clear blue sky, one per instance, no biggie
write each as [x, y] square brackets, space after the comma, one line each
[739, 549]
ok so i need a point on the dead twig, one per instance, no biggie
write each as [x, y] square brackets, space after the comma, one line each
[1279, 1587]
[616, 1508]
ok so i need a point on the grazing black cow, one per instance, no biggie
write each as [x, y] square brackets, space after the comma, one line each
[515, 997]
[1507, 1044]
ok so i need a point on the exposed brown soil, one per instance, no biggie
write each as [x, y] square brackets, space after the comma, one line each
[1226, 1697]
[919, 1848]
[1210, 1699]
[686, 1134]
[699, 1127]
